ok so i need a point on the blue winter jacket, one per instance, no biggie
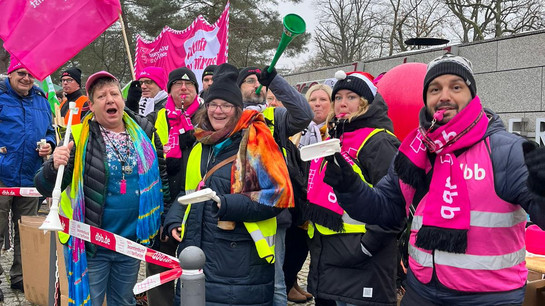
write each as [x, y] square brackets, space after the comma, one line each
[24, 121]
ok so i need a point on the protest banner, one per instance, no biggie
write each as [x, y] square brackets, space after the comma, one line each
[198, 46]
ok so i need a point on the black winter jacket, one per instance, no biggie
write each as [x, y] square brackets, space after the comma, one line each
[339, 268]
[96, 174]
[235, 274]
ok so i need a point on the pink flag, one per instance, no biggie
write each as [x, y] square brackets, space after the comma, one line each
[196, 47]
[45, 34]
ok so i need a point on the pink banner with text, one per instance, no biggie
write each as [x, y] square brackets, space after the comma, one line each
[200, 45]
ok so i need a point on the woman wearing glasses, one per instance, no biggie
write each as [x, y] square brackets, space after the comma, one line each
[174, 123]
[251, 184]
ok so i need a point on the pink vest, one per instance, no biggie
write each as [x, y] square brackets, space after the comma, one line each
[495, 256]
[321, 193]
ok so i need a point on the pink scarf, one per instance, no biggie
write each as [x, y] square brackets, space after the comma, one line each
[323, 207]
[446, 214]
[180, 122]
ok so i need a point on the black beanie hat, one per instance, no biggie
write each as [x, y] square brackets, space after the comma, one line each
[74, 73]
[450, 64]
[209, 70]
[183, 73]
[354, 81]
[225, 86]
[245, 72]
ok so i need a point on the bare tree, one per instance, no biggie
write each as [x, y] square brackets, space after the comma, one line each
[482, 19]
[346, 30]
[4, 58]
[405, 19]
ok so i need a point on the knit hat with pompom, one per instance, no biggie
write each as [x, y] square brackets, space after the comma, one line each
[357, 81]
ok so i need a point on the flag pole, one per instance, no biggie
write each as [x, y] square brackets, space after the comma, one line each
[127, 46]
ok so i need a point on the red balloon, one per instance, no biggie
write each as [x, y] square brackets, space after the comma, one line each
[401, 87]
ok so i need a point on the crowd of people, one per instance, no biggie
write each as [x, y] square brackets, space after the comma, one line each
[459, 183]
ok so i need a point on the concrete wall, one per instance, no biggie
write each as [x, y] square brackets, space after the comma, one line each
[509, 72]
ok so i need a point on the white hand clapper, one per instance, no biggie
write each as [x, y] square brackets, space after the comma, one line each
[320, 149]
[199, 196]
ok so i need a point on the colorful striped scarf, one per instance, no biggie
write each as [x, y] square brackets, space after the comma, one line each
[150, 204]
[257, 172]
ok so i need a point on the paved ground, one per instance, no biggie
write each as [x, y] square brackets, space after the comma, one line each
[11, 297]
[17, 298]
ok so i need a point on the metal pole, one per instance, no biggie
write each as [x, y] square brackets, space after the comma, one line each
[127, 46]
[192, 261]
[52, 267]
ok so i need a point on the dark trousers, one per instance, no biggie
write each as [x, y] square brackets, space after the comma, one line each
[164, 294]
[19, 206]
[296, 254]
[412, 298]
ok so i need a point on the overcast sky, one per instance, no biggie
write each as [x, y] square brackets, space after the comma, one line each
[304, 9]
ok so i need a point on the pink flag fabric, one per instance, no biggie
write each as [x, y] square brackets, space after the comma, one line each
[196, 47]
[45, 34]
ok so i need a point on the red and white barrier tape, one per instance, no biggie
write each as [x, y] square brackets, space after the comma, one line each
[157, 280]
[112, 242]
[127, 247]
[20, 192]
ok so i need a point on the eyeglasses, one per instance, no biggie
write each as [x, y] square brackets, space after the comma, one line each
[182, 82]
[148, 82]
[68, 80]
[24, 74]
[250, 81]
[223, 108]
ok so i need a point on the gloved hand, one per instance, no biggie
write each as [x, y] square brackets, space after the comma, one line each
[187, 140]
[133, 96]
[265, 78]
[340, 175]
[534, 157]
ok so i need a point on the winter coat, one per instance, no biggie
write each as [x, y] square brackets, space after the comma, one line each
[386, 204]
[95, 180]
[24, 121]
[339, 269]
[235, 274]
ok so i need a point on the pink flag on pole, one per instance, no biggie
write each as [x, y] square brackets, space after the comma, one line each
[45, 34]
[196, 47]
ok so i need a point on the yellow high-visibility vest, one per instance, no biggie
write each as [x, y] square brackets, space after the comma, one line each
[263, 233]
[161, 125]
[68, 196]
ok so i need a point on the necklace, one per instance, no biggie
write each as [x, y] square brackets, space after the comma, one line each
[125, 167]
